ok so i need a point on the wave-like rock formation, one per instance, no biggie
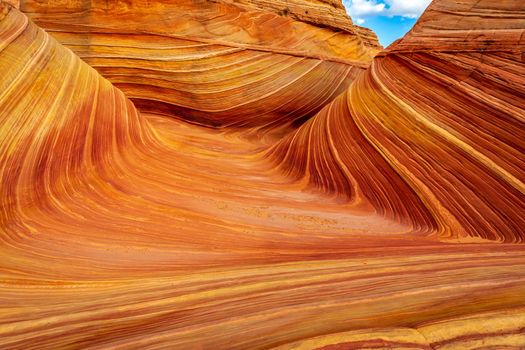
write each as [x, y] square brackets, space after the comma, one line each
[388, 219]
[220, 63]
[433, 133]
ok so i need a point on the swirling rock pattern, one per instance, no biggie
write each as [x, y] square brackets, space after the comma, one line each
[389, 219]
[221, 64]
[443, 150]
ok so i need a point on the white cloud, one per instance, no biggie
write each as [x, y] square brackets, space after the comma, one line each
[407, 8]
[361, 9]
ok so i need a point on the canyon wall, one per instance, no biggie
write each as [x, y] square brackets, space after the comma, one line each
[231, 175]
[437, 117]
[215, 63]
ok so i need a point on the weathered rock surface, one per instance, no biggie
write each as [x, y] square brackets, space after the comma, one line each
[391, 221]
[432, 134]
[220, 63]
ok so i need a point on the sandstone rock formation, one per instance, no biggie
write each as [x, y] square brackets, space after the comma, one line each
[324, 201]
[220, 63]
[443, 150]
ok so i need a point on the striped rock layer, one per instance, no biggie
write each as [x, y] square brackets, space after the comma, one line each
[389, 219]
[216, 63]
[432, 134]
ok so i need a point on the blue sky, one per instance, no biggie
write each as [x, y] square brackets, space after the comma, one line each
[389, 19]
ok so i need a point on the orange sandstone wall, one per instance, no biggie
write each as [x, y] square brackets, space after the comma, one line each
[220, 64]
[434, 126]
[390, 222]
